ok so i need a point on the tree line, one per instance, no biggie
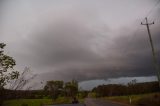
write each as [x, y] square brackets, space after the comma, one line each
[59, 88]
[129, 89]
[52, 90]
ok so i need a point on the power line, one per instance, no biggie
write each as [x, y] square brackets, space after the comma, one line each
[148, 13]
[151, 10]
[151, 42]
[153, 49]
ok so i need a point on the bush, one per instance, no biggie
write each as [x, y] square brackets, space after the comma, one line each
[24, 104]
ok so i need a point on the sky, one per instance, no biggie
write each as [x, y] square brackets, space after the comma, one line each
[85, 40]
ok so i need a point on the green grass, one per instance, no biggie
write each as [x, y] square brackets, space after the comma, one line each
[81, 100]
[30, 102]
[36, 102]
[92, 95]
[62, 100]
[152, 99]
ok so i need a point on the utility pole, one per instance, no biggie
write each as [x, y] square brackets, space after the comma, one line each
[153, 50]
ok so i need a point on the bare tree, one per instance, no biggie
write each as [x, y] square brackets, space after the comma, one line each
[24, 79]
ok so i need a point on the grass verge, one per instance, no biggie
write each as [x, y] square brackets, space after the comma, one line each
[36, 102]
[152, 99]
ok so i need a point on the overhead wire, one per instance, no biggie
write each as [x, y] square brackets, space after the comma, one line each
[148, 13]
[135, 32]
[151, 10]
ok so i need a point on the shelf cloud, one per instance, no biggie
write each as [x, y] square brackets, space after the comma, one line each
[82, 40]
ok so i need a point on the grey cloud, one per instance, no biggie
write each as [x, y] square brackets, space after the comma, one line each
[130, 56]
[67, 41]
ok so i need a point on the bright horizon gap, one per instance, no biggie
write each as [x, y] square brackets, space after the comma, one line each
[89, 85]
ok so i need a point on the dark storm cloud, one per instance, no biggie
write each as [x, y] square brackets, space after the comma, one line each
[129, 56]
[60, 43]
[65, 41]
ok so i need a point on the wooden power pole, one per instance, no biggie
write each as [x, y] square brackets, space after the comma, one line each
[153, 50]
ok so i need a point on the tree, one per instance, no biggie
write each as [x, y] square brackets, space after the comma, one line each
[131, 86]
[71, 88]
[55, 88]
[7, 72]
[23, 80]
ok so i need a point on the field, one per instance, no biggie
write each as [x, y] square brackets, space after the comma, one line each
[152, 99]
[36, 102]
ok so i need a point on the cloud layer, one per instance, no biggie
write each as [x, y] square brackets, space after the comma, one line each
[81, 40]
